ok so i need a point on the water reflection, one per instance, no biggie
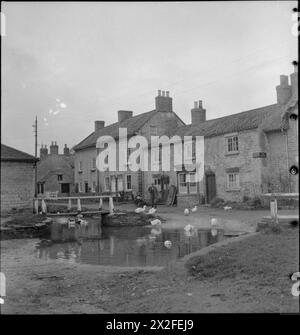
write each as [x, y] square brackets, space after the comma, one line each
[128, 246]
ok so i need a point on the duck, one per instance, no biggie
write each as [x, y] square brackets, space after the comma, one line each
[186, 211]
[152, 210]
[71, 223]
[214, 232]
[227, 208]
[194, 209]
[189, 227]
[155, 222]
[168, 244]
[156, 231]
[140, 210]
[214, 222]
[83, 223]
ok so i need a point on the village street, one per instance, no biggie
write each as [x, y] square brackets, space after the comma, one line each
[248, 275]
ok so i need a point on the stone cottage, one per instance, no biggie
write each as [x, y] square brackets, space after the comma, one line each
[160, 121]
[55, 171]
[17, 179]
[246, 154]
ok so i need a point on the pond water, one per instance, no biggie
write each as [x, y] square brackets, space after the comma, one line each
[125, 246]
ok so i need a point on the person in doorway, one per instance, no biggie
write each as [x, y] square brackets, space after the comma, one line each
[153, 195]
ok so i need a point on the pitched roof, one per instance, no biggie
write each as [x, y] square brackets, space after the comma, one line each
[9, 154]
[250, 119]
[132, 124]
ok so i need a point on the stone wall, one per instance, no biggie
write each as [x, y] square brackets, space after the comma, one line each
[17, 185]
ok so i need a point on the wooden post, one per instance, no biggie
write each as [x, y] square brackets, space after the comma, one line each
[69, 204]
[111, 205]
[44, 206]
[78, 205]
[36, 206]
[100, 204]
[273, 208]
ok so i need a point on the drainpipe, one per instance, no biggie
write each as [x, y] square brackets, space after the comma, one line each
[287, 161]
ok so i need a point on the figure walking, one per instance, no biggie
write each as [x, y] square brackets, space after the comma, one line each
[153, 195]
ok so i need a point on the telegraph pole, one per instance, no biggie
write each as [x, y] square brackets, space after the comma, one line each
[35, 154]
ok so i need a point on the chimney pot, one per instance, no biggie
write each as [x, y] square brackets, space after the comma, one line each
[167, 93]
[195, 104]
[99, 125]
[163, 102]
[159, 93]
[284, 80]
[124, 115]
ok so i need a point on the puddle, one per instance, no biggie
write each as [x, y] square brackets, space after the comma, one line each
[129, 246]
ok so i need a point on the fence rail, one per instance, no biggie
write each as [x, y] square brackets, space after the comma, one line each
[43, 200]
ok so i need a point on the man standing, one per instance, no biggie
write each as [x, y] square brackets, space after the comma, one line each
[153, 195]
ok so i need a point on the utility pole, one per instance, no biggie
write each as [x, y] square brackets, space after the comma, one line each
[35, 154]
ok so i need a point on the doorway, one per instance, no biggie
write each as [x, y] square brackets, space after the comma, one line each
[211, 190]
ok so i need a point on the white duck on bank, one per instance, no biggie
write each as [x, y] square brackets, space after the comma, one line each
[194, 209]
[227, 208]
[189, 228]
[152, 210]
[186, 211]
[168, 244]
[155, 222]
[140, 210]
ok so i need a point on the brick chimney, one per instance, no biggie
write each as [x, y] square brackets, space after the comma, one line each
[124, 115]
[66, 151]
[294, 82]
[99, 125]
[43, 152]
[163, 102]
[53, 148]
[198, 113]
[284, 90]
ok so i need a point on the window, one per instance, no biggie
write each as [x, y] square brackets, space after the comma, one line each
[59, 177]
[80, 187]
[80, 166]
[120, 183]
[153, 131]
[192, 182]
[128, 183]
[93, 164]
[157, 182]
[187, 182]
[233, 180]
[106, 184]
[232, 144]
[40, 188]
[94, 186]
[182, 185]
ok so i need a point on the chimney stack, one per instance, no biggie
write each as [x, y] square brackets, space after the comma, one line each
[124, 115]
[43, 152]
[294, 82]
[284, 90]
[99, 125]
[198, 113]
[163, 102]
[53, 148]
[66, 151]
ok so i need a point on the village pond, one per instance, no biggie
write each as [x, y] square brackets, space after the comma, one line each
[137, 246]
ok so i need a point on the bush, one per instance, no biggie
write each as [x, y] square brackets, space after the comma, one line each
[216, 202]
[255, 202]
[245, 198]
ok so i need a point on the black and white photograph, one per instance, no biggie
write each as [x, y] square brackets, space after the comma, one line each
[149, 161]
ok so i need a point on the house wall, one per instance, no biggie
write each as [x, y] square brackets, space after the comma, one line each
[17, 185]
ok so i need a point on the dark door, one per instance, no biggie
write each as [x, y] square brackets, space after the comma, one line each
[210, 186]
[65, 188]
[86, 187]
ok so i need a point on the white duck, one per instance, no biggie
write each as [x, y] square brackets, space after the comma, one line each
[140, 210]
[194, 209]
[227, 208]
[168, 244]
[155, 222]
[152, 210]
[156, 231]
[214, 222]
[186, 211]
[189, 228]
[141, 241]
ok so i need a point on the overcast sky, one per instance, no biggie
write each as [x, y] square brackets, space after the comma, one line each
[73, 63]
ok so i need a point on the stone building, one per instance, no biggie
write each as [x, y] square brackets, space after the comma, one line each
[246, 154]
[17, 179]
[55, 171]
[160, 121]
